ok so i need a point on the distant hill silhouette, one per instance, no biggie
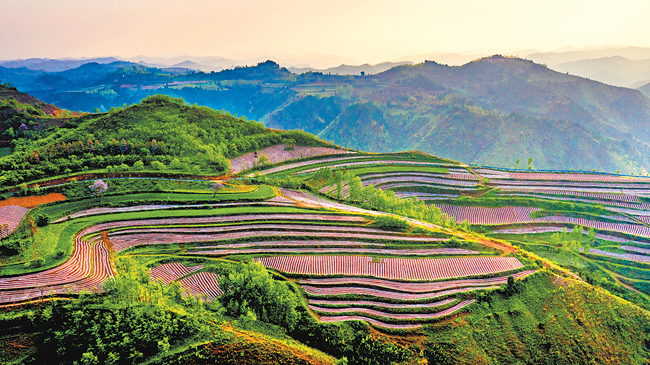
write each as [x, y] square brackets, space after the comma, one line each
[492, 111]
[616, 70]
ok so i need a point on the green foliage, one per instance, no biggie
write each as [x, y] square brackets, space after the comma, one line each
[158, 165]
[159, 131]
[390, 223]
[385, 200]
[42, 220]
[252, 293]
[136, 319]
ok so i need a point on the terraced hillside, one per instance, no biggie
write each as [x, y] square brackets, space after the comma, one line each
[334, 242]
[368, 244]
[609, 214]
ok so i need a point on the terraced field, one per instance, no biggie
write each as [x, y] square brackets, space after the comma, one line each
[347, 267]
[280, 153]
[10, 217]
[417, 275]
[88, 267]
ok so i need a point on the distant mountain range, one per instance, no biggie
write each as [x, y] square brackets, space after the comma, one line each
[555, 58]
[352, 70]
[614, 65]
[490, 111]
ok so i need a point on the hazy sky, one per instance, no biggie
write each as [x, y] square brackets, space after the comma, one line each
[367, 31]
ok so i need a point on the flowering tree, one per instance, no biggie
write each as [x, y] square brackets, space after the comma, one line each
[98, 187]
[215, 187]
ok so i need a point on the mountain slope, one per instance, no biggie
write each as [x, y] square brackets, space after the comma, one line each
[645, 89]
[555, 58]
[616, 70]
[457, 112]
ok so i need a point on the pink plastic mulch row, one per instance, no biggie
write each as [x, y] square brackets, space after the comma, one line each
[222, 219]
[572, 185]
[391, 316]
[418, 179]
[312, 243]
[172, 271]
[426, 185]
[277, 154]
[458, 176]
[621, 204]
[380, 162]
[575, 177]
[481, 215]
[393, 326]
[413, 287]
[334, 250]
[423, 196]
[121, 242]
[385, 294]
[644, 251]
[307, 163]
[262, 226]
[76, 268]
[633, 229]
[203, 284]
[367, 303]
[91, 280]
[148, 207]
[533, 230]
[11, 215]
[488, 173]
[615, 197]
[392, 268]
[625, 256]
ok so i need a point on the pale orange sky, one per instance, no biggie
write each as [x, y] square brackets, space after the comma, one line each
[366, 31]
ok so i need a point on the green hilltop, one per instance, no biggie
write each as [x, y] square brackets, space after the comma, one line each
[158, 132]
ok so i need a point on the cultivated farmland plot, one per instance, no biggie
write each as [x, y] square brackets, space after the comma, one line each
[413, 287]
[123, 241]
[632, 229]
[594, 187]
[87, 269]
[380, 162]
[480, 215]
[153, 207]
[632, 208]
[10, 215]
[278, 154]
[172, 271]
[405, 184]
[295, 165]
[398, 174]
[389, 306]
[418, 179]
[392, 268]
[378, 323]
[223, 219]
[496, 174]
[625, 256]
[203, 284]
[331, 250]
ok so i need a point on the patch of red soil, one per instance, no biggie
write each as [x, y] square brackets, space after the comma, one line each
[33, 201]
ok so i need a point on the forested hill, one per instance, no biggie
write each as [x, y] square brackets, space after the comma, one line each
[160, 133]
[491, 111]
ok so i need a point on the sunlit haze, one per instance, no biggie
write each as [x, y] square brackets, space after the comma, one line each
[356, 31]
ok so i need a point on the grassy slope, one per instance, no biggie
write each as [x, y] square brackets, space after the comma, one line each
[552, 320]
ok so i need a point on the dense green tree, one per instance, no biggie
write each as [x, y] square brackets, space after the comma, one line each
[250, 288]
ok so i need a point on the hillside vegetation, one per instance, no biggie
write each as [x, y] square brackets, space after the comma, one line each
[159, 134]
